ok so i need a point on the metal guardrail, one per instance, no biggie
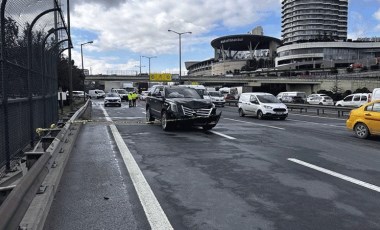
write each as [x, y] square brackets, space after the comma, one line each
[320, 109]
[18, 201]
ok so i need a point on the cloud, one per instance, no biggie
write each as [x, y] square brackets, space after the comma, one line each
[142, 26]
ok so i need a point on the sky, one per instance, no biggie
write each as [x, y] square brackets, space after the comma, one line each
[124, 30]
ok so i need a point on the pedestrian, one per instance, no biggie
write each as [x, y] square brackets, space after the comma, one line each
[134, 98]
[130, 99]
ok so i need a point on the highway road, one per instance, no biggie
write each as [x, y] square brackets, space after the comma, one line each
[306, 172]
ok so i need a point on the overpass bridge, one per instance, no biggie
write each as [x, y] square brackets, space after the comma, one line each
[306, 83]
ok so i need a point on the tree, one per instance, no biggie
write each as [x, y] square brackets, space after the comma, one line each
[63, 75]
[11, 32]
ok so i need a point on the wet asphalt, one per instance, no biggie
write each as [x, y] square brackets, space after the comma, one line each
[207, 181]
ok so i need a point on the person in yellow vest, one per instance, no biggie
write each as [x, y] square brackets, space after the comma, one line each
[134, 98]
[130, 98]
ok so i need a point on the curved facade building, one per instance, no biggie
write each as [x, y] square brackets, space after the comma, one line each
[310, 20]
[233, 52]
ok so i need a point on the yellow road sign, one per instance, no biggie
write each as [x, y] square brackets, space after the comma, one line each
[160, 77]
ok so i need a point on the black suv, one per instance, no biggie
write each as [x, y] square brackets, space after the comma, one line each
[175, 105]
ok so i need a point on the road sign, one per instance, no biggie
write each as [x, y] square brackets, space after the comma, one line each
[160, 77]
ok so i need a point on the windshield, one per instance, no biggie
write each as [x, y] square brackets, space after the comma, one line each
[268, 99]
[112, 95]
[121, 91]
[327, 98]
[215, 94]
[181, 92]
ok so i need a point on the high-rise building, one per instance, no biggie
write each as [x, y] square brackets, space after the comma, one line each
[314, 20]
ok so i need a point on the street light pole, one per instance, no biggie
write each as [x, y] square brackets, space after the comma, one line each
[81, 55]
[179, 36]
[149, 61]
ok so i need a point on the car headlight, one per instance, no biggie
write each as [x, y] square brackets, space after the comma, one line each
[173, 107]
[267, 107]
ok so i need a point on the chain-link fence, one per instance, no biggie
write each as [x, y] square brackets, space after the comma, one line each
[32, 35]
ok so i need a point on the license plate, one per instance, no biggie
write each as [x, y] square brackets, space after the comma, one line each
[279, 113]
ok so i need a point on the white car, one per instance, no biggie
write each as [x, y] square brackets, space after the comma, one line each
[313, 96]
[321, 100]
[122, 93]
[112, 99]
[217, 98]
[355, 100]
[262, 105]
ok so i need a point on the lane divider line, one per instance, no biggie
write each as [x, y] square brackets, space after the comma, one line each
[153, 210]
[338, 175]
[223, 135]
[269, 126]
[331, 118]
[315, 123]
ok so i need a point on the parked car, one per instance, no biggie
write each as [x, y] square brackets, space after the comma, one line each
[217, 98]
[175, 105]
[365, 121]
[122, 93]
[355, 100]
[321, 100]
[96, 93]
[112, 99]
[312, 97]
[261, 105]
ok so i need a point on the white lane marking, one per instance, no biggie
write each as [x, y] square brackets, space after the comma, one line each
[269, 126]
[223, 135]
[316, 123]
[338, 175]
[153, 210]
[331, 118]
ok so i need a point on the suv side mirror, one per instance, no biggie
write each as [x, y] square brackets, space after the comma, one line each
[157, 95]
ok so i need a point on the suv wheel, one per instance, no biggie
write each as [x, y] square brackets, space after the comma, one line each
[259, 115]
[148, 116]
[361, 130]
[165, 124]
[241, 113]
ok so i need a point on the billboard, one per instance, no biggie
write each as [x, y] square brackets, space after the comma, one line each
[160, 77]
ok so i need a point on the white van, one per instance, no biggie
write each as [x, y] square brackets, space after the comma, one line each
[96, 93]
[262, 105]
[217, 98]
[375, 94]
[355, 100]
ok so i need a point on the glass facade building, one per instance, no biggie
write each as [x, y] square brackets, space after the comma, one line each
[314, 20]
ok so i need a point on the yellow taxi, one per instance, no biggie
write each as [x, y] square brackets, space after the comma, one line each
[365, 121]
